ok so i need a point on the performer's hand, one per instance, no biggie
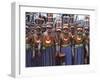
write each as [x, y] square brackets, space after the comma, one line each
[62, 54]
[43, 48]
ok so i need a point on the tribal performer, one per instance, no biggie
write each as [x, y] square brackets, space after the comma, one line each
[79, 46]
[86, 55]
[48, 56]
[37, 47]
[72, 33]
[66, 45]
[29, 52]
[59, 56]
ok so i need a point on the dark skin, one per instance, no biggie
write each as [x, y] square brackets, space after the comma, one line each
[66, 35]
[29, 38]
[61, 56]
[43, 30]
[58, 39]
[86, 56]
[49, 30]
[58, 36]
[48, 36]
[80, 36]
[37, 38]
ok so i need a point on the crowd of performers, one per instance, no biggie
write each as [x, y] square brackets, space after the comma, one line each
[64, 44]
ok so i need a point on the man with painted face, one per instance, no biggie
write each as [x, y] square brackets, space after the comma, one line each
[48, 56]
[66, 45]
[79, 47]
